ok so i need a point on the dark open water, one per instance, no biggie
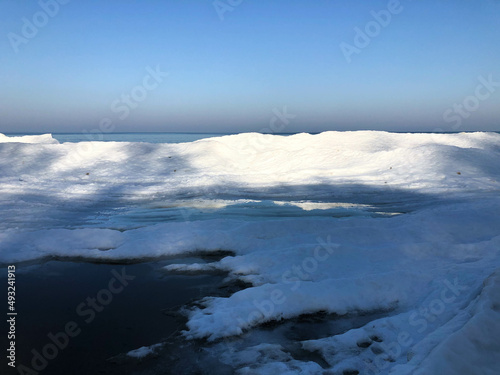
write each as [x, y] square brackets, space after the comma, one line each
[144, 312]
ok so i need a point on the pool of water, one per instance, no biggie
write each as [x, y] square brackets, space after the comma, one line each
[111, 317]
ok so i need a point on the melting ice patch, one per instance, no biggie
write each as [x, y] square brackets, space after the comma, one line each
[309, 206]
[144, 351]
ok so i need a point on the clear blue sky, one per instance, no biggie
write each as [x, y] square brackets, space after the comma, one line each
[234, 74]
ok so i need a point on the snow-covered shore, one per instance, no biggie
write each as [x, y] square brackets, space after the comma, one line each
[340, 222]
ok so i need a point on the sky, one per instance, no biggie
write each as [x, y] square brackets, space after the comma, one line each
[249, 65]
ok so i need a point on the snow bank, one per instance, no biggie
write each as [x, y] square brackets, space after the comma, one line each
[43, 139]
[274, 166]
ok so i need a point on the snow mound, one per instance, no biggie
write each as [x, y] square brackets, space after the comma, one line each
[303, 166]
[475, 347]
[42, 139]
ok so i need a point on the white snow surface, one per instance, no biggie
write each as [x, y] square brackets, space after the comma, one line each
[144, 351]
[344, 223]
[44, 138]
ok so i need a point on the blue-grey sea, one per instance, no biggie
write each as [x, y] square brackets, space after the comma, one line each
[155, 137]
[134, 137]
